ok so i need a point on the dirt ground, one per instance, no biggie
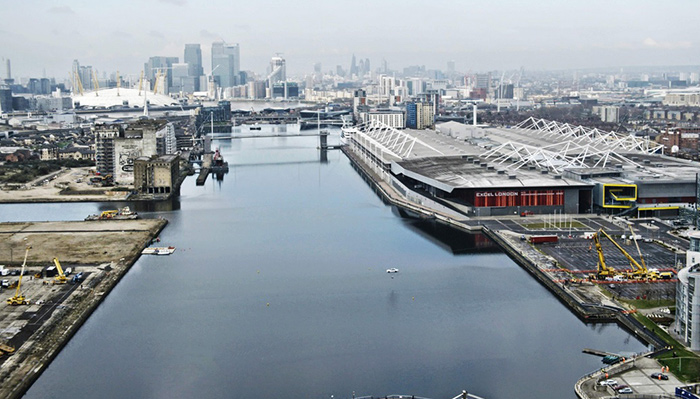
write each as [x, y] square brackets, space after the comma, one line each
[102, 251]
[47, 189]
[74, 242]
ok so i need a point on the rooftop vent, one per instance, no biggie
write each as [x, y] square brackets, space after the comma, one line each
[647, 162]
[501, 172]
[476, 162]
[658, 165]
[544, 171]
[512, 177]
[532, 167]
[490, 167]
[619, 166]
[558, 177]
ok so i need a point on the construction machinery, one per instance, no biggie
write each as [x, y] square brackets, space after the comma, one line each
[109, 214]
[19, 299]
[642, 271]
[6, 349]
[638, 272]
[603, 269]
[61, 278]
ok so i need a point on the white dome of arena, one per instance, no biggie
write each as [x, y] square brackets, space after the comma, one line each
[121, 97]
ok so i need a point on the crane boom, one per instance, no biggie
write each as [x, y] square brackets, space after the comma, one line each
[19, 299]
[644, 266]
[633, 263]
[61, 278]
[603, 269]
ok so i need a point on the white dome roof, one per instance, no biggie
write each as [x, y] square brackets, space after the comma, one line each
[116, 97]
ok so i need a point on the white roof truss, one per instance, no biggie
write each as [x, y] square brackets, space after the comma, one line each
[576, 147]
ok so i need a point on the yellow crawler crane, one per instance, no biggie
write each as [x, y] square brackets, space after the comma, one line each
[61, 278]
[642, 272]
[19, 299]
[603, 269]
[639, 272]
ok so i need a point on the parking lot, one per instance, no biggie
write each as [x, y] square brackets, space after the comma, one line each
[18, 323]
[579, 255]
[640, 381]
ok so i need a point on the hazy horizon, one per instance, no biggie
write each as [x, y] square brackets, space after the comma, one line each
[477, 36]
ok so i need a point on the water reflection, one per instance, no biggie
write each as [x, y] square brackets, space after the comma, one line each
[457, 242]
[310, 239]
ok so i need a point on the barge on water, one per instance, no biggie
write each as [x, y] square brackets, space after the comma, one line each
[115, 214]
[158, 251]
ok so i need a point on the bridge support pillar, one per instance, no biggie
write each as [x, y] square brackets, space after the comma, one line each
[323, 139]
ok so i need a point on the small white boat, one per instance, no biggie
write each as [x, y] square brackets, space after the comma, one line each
[158, 251]
[392, 270]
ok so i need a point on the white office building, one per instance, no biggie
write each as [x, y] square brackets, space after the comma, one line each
[688, 296]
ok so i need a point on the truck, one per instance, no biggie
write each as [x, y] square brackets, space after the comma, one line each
[77, 278]
[543, 239]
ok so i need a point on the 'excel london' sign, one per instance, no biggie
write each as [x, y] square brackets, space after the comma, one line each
[498, 194]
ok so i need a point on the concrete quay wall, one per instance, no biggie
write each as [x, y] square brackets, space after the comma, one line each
[588, 312]
[388, 194]
[33, 357]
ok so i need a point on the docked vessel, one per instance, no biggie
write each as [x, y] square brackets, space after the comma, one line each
[124, 213]
[218, 165]
[158, 251]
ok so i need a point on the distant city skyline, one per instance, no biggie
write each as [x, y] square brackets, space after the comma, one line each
[477, 36]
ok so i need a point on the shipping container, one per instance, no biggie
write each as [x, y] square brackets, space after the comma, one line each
[543, 239]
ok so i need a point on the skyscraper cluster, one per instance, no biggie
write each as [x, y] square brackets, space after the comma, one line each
[226, 64]
[168, 75]
[359, 69]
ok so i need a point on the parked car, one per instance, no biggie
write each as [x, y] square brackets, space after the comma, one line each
[626, 390]
[659, 376]
[611, 383]
[620, 387]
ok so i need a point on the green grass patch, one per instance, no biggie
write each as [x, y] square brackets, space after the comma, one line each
[683, 363]
[23, 172]
[649, 303]
[562, 225]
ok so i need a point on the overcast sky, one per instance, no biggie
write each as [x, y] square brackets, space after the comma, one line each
[478, 35]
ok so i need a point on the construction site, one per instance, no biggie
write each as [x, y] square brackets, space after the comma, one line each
[54, 274]
[634, 268]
